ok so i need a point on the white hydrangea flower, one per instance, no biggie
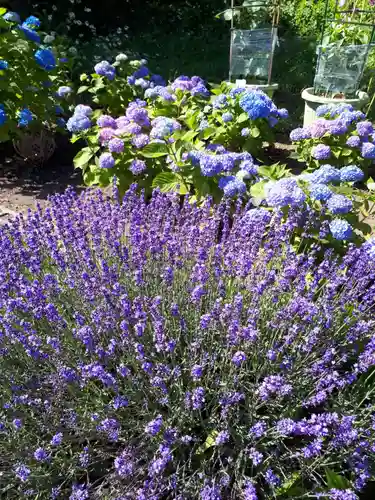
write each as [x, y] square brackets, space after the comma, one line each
[49, 39]
[87, 9]
[71, 15]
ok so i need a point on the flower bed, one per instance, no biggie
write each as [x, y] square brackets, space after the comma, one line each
[143, 359]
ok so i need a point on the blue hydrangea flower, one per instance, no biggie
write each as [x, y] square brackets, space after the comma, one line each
[25, 116]
[254, 105]
[116, 145]
[3, 115]
[340, 229]
[141, 72]
[320, 192]
[321, 152]
[354, 141]
[46, 59]
[210, 165]
[232, 186]
[365, 128]
[30, 34]
[236, 91]
[369, 247]
[368, 150]
[220, 101]
[325, 174]
[351, 173]
[249, 167]
[283, 113]
[32, 22]
[12, 17]
[245, 132]
[299, 134]
[141, 82]
[78, 123]
[3, 64]
[106, 160]
[82, 109]
[163, 127]
[137, 167]
[339, 204]
[323, 110]
[60, 122]
[64, 91]
[227, 117]
[337, 127]
[104, 68]
[285, 192]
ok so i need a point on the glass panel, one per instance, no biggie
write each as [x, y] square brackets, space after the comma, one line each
[340, 69]
[251, 53]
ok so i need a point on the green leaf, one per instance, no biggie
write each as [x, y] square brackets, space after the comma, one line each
[334, 480]
[255, 132]
[257, 190]
[208, 132]
[370, 184]
[154, 150]
[346, 152]
[242, 118]
[2, 11]
[209, 443]
[83, 157]
[169, 181]
[82, 89]
[189, 136]
[288, 484]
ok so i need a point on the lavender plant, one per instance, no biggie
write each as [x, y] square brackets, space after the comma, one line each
[153, 351]
[341, 136]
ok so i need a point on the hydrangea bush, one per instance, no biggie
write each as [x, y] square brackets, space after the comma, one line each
[181, 137]
[31, 72]
[340, 136]
[151, 351]
[330, 196]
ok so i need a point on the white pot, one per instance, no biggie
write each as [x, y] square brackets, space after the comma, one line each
[312, 102]
[267, 89]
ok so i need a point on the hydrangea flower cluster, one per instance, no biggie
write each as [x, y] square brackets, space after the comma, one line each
[132, 322]
[80, 121]
[335, 127]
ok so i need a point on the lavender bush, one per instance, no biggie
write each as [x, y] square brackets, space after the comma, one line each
[340, 136]
[150, 351]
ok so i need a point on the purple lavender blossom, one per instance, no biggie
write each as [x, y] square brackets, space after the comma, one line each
[154, 427]
[22, 472]
[249, 492]
[198, 398]
[124, 464]
[255, 456]
[57, 439]
[272, 479]
[40, 455]
[222, 438]
[238, 358]
[196, 372]
[258, 430]
[274, 385]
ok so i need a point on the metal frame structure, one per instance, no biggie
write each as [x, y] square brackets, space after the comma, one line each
[339, 16]
[274, 25]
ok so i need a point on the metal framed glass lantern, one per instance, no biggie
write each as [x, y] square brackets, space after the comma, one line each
[346, 40]
[253, 41]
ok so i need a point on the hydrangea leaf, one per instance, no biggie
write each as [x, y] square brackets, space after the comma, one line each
[168, 181]
[257, 190]
[242, 118]
[334, 480]
[154, 150]
[82, 89]
[83, 157]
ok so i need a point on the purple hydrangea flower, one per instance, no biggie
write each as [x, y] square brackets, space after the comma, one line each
[116, 145]
[340, 229]
[140, 141]
[200, 90]
[106, 69]
[299, 134]
[339, 204]
[249, 167]
[106, 134]
[137, 167]
[365, 129]
[368, 150]
[227, 117]
[106, 121]
[354, 141]
[323, 110]
[321, 152]
[351, 173]
[106, 160]
[82, 109]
